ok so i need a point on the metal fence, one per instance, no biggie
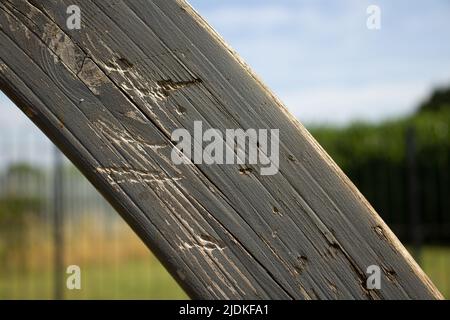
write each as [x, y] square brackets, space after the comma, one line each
[51, 217]
[413, 198]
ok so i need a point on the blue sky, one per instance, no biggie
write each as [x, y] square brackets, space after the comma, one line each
[322, 61]
[326, 66]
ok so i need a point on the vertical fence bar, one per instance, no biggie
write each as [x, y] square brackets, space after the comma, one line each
[415, 226]
[58, 224]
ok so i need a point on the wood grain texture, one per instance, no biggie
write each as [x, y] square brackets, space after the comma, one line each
[110, 95]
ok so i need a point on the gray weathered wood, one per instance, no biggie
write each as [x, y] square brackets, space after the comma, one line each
[110, 95]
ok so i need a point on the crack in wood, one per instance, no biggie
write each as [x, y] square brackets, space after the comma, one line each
[130, 175]
[165, 87]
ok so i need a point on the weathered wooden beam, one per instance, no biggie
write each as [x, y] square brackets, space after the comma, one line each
[111, 94]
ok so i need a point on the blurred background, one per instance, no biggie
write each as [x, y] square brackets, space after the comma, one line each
[378, 101]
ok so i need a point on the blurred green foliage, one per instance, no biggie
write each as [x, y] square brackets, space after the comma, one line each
[374, 157]
[18, 208]
[363, 142]
[15, 200]
[14, 210]
[439, 100]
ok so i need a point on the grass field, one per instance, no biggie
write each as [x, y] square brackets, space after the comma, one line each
[116, 265]
[147, 279]
[143, 279]
[435, 261]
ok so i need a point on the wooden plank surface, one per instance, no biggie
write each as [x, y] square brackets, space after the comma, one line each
[111, 94]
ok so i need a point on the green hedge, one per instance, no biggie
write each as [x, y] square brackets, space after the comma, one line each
[374, 158]
[363, 142]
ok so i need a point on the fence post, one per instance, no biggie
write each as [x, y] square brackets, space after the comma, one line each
[58, 224]
[415, 226]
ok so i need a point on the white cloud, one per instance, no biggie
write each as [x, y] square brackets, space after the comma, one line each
[237, 17]
[20, 139]
[373, 102]
[323, 62]
[10, 116]
[285, 19]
